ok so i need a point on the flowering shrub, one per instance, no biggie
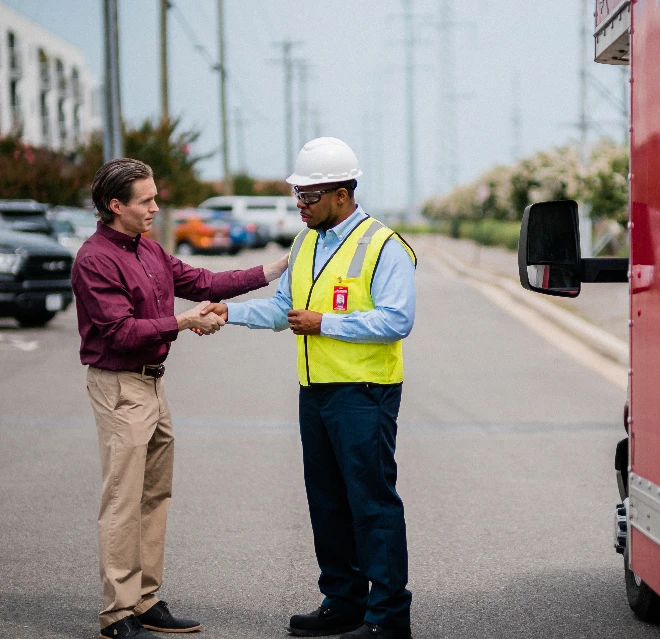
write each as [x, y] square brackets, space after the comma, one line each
[502, 193]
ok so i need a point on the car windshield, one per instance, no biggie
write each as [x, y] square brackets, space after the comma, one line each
[78, 217]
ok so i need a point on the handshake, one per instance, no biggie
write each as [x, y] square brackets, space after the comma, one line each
[203, 319]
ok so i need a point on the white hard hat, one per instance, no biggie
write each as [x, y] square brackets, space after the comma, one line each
[325, 160]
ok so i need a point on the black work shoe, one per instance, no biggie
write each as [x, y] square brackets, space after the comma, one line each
[126, 628]
[323, 622]
[159, 618]
[371, 631]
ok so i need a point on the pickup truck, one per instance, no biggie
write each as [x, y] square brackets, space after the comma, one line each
[35, 277]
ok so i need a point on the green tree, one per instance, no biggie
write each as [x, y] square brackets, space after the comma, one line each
[168, 152]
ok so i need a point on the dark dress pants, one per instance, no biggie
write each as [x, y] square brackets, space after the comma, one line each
[348, 434]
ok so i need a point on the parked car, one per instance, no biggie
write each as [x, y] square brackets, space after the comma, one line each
[25, 216]
[252, 235]
[201, 231]
[82, 220]
[280, 214]
[35, 277]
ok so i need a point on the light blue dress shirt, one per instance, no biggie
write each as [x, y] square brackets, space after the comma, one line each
[392, 291]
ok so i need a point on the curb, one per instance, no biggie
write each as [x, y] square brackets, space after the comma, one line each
[599, 340]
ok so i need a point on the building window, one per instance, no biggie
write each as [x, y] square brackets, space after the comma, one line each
[45, 120]
[44, 70]
[61, 78]
[15, 63]
[61, 121]
[15, 108]
[75, 85]
[76, 123]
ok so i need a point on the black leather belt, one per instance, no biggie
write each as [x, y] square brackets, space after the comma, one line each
[151, 370]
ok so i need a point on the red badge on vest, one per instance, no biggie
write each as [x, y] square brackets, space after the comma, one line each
[340, 299]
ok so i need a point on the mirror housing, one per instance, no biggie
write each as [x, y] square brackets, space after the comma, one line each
[549, 258]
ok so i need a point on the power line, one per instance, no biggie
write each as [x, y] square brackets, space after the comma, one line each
[287, 63]
[212, 63]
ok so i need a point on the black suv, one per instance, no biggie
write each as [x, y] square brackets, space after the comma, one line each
[26, 216]
[35, 277]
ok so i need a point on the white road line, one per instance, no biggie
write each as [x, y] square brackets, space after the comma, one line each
[11, 342]
[558, 337]
[581, 353]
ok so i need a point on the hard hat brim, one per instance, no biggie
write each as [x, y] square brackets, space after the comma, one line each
[309, 180]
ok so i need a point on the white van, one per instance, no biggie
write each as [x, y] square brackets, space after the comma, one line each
[279, 213]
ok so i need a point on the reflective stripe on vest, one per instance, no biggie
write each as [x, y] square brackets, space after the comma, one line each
[322, 359]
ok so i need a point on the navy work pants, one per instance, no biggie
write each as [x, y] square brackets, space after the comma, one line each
[348, 434]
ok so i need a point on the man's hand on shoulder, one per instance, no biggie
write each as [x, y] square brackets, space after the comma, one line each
[275, 270]
[202, 324]
[305, 322]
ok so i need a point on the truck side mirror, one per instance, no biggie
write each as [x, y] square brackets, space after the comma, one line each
[549, 249]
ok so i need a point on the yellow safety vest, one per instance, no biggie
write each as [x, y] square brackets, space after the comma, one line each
[342, 286]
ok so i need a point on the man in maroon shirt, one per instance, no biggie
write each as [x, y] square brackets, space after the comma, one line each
[125, 287]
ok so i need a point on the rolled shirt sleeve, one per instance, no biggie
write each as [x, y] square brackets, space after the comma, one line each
[198, 284]
[269, 313]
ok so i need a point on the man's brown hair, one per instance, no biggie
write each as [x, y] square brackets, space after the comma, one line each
[115, 180]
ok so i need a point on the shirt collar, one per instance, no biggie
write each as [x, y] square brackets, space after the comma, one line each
[343, 228]
[122, 240]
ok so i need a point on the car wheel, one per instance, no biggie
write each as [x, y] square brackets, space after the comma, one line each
[34, 318]
[234, 250]
[185, 248]
[285, 243]
[643, 601]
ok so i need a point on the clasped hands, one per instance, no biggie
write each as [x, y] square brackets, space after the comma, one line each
[200, 322]
[301, 322]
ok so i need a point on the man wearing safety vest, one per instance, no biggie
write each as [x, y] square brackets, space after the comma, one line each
[349, 297]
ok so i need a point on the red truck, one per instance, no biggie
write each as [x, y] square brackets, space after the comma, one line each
[627, 32]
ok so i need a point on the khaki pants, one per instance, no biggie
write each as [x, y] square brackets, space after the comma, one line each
[137, 454]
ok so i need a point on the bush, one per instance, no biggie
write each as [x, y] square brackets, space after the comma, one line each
[503, 192]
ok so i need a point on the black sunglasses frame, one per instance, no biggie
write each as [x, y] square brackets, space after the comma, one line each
[304, 196]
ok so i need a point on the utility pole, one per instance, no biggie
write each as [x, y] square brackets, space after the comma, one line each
[303, 108]
[586, 241]
[287, 64]
[449, 97]
[164, 92]
[410, 109]
[583, 120]
[224, 124]
[112, 133]
[167, 238]
[516, 121]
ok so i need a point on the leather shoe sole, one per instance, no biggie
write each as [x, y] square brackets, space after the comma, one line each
[178, 630]
[328, 632]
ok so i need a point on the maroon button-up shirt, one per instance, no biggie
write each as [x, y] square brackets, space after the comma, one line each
[125, 288]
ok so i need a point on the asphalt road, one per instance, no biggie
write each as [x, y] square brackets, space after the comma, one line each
[505, 456]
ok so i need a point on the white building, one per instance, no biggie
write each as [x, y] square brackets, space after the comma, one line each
[47, 94]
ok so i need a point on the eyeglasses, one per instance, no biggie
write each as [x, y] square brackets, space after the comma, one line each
[312, 197]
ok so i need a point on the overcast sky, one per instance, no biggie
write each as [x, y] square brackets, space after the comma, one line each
[356, 54]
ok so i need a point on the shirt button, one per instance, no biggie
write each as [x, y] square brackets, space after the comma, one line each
[149, 274]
